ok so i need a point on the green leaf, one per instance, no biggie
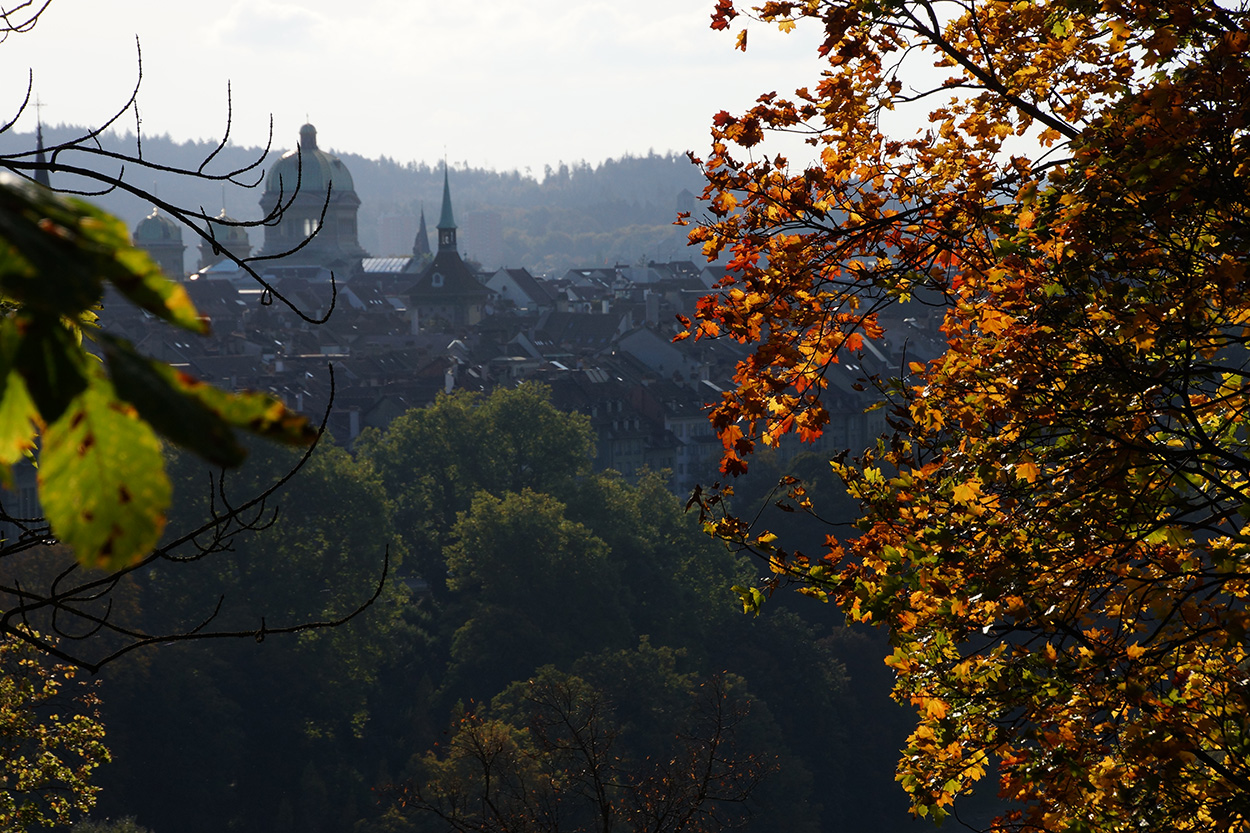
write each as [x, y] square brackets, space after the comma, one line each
[43, 265]
[52, 363]
[163, 397]
[102, 480]
[262, 414]
[752, 598]
[18, 418]
[57, 252]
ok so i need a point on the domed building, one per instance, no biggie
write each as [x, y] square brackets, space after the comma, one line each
[229, 237]
[161, 237]
[297, 186]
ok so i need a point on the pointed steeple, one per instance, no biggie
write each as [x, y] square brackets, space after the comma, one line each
[446, 222]
[421, 247]
[41, 174]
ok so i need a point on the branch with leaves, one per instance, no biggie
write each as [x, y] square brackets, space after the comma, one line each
[93, 171]
[1055, 533]
[93, 412]
[96, 425]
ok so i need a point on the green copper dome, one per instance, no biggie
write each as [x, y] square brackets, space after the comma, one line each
[230, 236]
[157, 228]
[313, 173]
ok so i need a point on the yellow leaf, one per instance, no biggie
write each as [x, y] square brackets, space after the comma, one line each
[968, 491]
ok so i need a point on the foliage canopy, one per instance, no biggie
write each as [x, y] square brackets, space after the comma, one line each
[1056, 533]
[551, 754]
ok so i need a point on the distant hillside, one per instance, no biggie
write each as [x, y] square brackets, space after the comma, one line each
[619, 211]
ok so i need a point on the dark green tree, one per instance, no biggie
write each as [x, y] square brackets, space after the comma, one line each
[244, 711]
[551, 755]
[434, 460]
[533, 588]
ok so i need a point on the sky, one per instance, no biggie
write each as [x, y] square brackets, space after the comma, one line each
[500, 84]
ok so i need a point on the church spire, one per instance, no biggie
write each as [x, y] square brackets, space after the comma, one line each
[421, 247]
[446, 222]
[41, 173]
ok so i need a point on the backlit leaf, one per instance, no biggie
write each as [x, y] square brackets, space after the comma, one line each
[102, 480]
[18, 419]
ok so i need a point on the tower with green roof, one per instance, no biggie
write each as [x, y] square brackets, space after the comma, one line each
[446, 222]
[447, 294]
[161, 237]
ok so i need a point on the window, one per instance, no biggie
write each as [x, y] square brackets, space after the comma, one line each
[436, 280]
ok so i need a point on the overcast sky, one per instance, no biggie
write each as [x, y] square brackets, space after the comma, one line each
[504, 84]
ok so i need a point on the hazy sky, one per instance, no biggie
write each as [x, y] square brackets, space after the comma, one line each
[496, 83]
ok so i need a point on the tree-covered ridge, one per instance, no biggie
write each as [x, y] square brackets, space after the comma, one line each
[576, 214]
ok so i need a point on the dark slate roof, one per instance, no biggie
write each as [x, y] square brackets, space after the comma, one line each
[677, 269]
[219, 300]
[214, 368]
[587, 330]
[458, 281]
[530, 286]
[601, 275]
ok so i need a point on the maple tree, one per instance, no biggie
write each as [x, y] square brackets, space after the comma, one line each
[1055, 534]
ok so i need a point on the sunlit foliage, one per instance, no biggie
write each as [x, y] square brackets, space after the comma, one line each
[1056, 533]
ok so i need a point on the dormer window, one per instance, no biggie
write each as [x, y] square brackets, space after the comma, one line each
[436, 280]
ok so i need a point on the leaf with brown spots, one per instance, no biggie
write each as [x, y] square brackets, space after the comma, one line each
[102, 480]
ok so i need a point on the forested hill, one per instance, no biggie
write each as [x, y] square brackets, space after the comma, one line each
[620, 210]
